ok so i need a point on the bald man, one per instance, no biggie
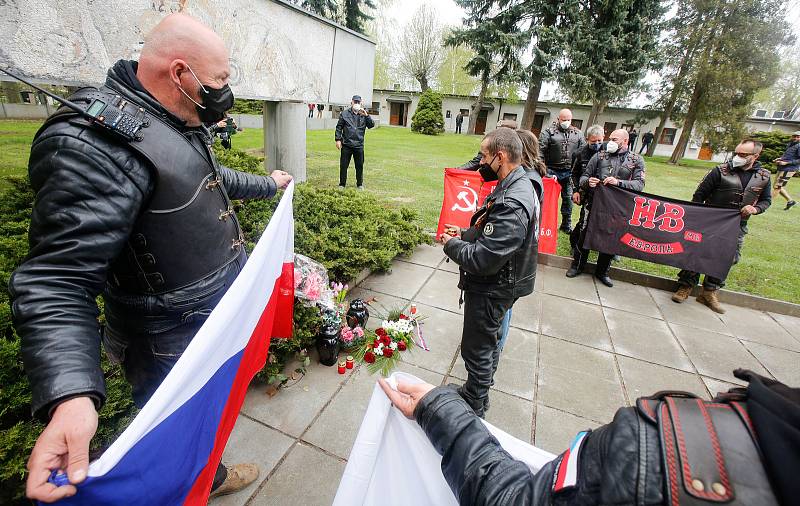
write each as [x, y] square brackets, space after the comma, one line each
[149, 225]
[616, 166]
[558, 144]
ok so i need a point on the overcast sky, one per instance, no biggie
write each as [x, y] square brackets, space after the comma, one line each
[452, 14]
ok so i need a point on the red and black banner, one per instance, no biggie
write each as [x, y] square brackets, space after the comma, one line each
[661, 230]
[465, 191]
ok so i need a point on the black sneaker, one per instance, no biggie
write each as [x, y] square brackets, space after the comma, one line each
[789, 205]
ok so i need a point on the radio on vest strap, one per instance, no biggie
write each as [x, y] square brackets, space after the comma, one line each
[110, 116]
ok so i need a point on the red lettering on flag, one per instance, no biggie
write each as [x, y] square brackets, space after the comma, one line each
[644, 208]
[672, 219]
[655, 248]
[691, 235]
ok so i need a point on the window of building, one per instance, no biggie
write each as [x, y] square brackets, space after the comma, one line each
[627, 127]
[447, 114]
[778, 114]
[761, 113]
[396, 87]
[375, 109]
[511, 116]
[668, 136]
[464, 112]
[577, 123]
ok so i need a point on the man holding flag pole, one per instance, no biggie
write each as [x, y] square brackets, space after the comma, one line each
[149, 224]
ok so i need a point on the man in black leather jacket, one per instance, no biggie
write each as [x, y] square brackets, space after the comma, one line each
[496, 256]
[743, 448]
[160, 243]
[349, 136]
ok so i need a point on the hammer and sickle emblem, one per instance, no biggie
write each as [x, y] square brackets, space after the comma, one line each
[471, 204]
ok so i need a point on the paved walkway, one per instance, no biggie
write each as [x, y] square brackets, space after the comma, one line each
[576, 352]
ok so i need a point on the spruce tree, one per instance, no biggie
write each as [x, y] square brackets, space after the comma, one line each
[428, 118]
[355, 14]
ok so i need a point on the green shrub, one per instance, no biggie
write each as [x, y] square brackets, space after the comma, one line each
[774, 145]
[346, 231]
[247, 106]
[428, 117]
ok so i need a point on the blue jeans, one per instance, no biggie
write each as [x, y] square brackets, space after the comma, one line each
[504, 330]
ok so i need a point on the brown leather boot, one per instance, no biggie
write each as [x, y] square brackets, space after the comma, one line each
[710, 298]
[681, 294]
[239, 477]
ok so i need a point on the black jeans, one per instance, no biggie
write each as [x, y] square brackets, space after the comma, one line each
[483, 318]
[565, 181]
[344, 162]
[148, 358]
[690, 278]
[458, 128]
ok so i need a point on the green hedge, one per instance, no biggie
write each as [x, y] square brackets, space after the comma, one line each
[347, 231]
[428, 117]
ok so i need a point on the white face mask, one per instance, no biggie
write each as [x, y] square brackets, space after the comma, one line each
[612, 147]
[356, 107]
[738, 161]
[565, 124]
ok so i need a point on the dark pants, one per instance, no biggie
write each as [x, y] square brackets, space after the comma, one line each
[565, 181]
[690, 278]
[458, 128]
[483, 318]
[344, 162]
[644, 147]
[147, 359]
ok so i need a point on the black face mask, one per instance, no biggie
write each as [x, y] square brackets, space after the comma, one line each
[486, 171]
[596, 146]
[214, 102]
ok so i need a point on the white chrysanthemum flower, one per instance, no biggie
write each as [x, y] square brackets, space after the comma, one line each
[393, 346]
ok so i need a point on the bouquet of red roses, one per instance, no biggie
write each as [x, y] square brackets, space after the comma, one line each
[382, 349]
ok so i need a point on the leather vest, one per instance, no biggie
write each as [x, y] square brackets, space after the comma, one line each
[729, 193]
[558, 154]
[188, 229]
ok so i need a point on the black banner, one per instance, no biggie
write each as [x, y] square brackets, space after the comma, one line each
[661, 230]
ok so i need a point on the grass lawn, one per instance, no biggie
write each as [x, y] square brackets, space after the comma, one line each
[404, 168]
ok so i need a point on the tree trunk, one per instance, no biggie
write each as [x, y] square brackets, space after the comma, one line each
[598, 106]
[688, 124]
[423, 82]
[531, 102]
[478, 105]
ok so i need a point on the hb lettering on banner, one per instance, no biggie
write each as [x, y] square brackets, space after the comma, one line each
[658, 229]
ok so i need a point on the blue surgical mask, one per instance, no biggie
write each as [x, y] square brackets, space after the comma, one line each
[596, 146]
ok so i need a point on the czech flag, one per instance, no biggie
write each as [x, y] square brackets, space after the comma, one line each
[169, 453]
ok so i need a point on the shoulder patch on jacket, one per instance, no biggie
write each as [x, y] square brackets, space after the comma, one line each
[488, 229]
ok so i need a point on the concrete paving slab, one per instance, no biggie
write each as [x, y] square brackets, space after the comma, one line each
[782, 364]
[294, 407]
[555, 429]
[442, 332]
[516, 372]
[512, 414]
[448, 266]
[759, 327]
[404, 280]
[578, 379]
[252, 442]
[441, 291]
[429, 255]
[790, 323]
[643, 379]
[527, 312]
[715, 355]
[574, 321]
[716, 386]
[307, 476]
[690, 313]
[556, 283]
[645, 338]
[628, 297]
[336, 428]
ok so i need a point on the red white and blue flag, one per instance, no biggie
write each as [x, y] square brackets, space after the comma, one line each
[567, 472]
[169, 453]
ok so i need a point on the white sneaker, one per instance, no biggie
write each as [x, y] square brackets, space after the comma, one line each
[341, 187]
[361, 187]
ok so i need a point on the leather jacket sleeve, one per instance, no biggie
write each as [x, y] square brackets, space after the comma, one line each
[636, 182]
[589, 171]
[707, 185]
[89, 191]
[242, 185]
[489, 253]
[544, 142]
[339, 129]
[472, 164]
[474, 464]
